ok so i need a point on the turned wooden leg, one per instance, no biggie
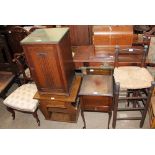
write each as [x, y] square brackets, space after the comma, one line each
[110, 114]
[83, 118]
[12, 112]
[35, 115]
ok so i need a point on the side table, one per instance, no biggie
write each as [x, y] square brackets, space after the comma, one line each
[96, 94]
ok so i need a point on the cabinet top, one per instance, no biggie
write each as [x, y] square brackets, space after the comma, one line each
[44, 36]
[96, 85]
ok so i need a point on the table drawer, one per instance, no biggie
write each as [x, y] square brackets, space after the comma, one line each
[100, 64]
[98, 71]
[54, 104]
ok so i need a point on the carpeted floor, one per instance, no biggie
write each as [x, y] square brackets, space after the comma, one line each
[94, 120]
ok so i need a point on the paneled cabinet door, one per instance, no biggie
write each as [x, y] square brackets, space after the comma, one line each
[45, 67]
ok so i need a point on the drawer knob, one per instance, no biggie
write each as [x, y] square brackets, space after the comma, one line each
[52, 98]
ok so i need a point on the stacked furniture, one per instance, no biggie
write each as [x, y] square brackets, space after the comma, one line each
[49, 56]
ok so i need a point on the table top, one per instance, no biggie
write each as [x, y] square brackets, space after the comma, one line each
[48, 35]
[5, 79]
[97, 85]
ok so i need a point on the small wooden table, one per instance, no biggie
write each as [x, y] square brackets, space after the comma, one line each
[96, 94]
[6, 79]
[61, 107]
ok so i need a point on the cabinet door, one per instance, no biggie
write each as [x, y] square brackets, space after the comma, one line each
[45, 67]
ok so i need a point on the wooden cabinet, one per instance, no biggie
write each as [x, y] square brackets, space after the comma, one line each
[60, 107]
[48, 52]
[96, 94]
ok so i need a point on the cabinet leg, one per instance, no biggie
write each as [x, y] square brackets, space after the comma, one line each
[83, 118]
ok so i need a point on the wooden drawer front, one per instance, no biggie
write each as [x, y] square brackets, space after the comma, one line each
[55, 104]
[100, 64]
[95, 71]
[96, 103]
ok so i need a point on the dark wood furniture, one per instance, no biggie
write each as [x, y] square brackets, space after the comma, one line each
[131, 56]
[136, 91]
[23, 75]
[6, 63]
[49, 57]
[6, 80]
[14, 35]
[107, 37]
[80, 35]
[61, 107]
[96, 95]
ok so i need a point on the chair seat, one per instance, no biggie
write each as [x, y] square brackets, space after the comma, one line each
[22, 98]
[132, 77]
[27, 72]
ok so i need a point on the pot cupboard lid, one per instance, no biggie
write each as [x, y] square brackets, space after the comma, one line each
[44, 36]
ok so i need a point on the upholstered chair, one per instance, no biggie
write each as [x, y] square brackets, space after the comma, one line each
[22, 100]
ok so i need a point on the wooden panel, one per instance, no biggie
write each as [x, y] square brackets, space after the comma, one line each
[112, 35]
[97, 71]
[45, 68]
[66, 61]
[96, 103]
[80, 35]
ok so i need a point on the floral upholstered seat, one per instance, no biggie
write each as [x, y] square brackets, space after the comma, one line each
[22, 100]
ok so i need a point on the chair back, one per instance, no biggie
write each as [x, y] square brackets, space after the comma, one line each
[134, 56]
[14, 36]
[5, 56]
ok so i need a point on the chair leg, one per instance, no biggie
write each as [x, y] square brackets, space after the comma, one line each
[147, 105]
[83, 118]
[12, 112]
[110, 114]
[116, 96]
[35, 115]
